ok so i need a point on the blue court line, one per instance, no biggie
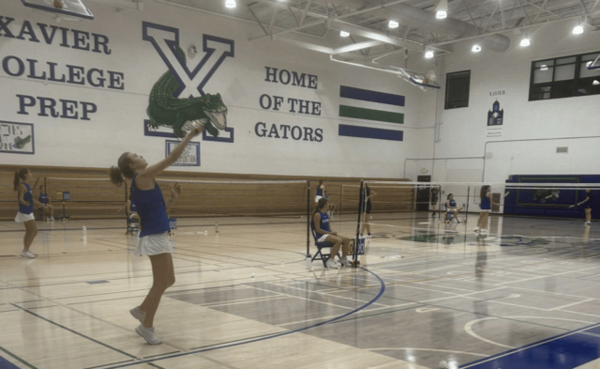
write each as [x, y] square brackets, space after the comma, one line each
[563, 351]
[275, 335]
[5, 364]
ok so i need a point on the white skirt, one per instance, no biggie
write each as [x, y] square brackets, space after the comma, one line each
[22, 218]
[317, 198]
[154, 244]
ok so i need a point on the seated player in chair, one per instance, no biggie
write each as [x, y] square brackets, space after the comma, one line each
[320, 220]
[451, 209]
[47, 208]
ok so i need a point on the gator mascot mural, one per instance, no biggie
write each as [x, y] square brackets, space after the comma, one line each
[183, 115]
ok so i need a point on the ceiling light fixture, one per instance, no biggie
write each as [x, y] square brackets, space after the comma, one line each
[230, 4]
[543, 67]
[344, 34]
[429, 54]
[525, 42]
[596, 82]
[442, 9]
[476, 48]
[393, 24]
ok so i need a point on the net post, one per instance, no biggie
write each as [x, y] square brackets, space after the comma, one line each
[357, 238]
[308, 219]
[467, 208]
[341, 206]
[126, 217]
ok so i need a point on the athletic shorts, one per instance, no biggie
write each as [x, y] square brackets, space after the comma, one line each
[323, 238]
[486, 210]
[22, 218]
[368, 210]
[317, 198]
[154, 244]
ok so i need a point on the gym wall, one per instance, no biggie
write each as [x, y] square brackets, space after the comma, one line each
[110, 64]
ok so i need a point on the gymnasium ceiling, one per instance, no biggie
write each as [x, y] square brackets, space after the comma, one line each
[317, 22]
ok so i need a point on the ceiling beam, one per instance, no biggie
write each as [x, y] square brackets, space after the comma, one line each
[306, 11]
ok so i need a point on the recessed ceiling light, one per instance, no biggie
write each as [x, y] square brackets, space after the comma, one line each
[441, 14]
[344, 34]
[230, 4]
[476, 48]
[525, 42]
[429, 54]
[578, 29]
[393, 24]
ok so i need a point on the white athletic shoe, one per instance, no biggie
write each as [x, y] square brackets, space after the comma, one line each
[345, 262]
[137, 313]
[52, 219]
[28, 254]
[476, 230]
[331, 263]
[484, 231]
[148, 335]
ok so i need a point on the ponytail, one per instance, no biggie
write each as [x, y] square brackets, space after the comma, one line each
[322, 201]
[19, 175]
[117, 174]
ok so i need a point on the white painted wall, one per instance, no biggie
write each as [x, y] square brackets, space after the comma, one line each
[464, 129]
[118, 127]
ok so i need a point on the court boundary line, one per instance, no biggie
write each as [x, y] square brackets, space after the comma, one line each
[16, 358]
[81, 334]
[276, 335]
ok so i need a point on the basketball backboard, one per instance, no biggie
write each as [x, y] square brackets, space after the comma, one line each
[73, 8]
[594, 64]
[424, 81]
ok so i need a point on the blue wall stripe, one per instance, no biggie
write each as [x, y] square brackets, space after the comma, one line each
[367, 132]
[373, 96]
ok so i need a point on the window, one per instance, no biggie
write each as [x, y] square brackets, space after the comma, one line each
[457, 89]
[564, 77]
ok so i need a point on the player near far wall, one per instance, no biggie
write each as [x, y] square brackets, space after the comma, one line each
[588, 203]
[365, 206]
[46, 204]
[25, 213]
[486, 207]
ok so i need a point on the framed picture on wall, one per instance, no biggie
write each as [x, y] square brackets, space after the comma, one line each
[16, 138]
[190, 156]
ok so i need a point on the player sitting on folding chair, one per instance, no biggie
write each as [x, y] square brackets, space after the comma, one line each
[324, 234]
[451, 209]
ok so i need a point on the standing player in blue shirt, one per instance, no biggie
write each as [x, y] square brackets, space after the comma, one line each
[486, 207]
[154, 239]
[25, 213]
[46, 204]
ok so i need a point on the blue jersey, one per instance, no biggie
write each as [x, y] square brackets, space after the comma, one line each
[324, 224]
[132, 207]
[588, 204]
[485, 202]
[44, 198]
[28, 197]
[151, 209]
[319, 191]
[452, 204]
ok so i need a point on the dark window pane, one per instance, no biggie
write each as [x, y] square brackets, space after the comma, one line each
[540, 92]
[588, 86]
[457, 89]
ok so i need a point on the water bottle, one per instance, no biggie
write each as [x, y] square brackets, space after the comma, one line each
[84, 230]
[216, 227]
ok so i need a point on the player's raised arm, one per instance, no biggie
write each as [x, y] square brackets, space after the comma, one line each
[153, 170]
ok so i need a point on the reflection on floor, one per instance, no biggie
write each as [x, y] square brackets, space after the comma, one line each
[526, 295]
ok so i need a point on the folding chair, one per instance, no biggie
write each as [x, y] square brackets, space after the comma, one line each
[320, 246]
[132, 226]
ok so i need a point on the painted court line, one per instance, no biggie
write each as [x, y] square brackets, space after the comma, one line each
[192, 352]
